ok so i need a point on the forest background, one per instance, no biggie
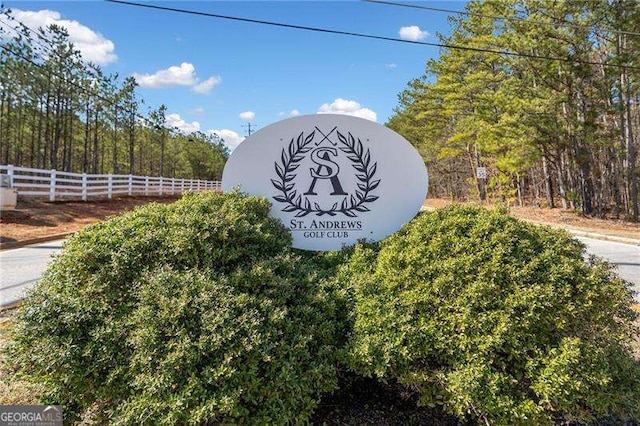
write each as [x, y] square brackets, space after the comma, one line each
[60, 112]
[547, 102]
[542, 94]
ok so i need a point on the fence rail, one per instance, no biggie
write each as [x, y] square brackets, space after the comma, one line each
[56, 185]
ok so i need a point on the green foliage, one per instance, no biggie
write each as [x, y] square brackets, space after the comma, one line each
[523, 116]
[494, 317]
[199, 312]
[193, 312]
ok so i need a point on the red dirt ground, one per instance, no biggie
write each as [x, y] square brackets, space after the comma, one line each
[37, 219]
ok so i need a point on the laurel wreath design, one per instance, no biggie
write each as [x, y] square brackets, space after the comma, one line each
[361, 162]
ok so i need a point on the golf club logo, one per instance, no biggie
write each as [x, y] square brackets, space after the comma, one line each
[322, 159]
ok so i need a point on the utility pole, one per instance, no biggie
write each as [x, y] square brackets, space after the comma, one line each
[249, 129]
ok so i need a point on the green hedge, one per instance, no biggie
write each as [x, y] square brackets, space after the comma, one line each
[494, 318]
[200, 312]
[190, 312]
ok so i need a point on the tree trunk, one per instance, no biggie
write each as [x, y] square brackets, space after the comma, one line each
[631, 158]
[95, 152]
[115, 141]
[87, 137]
[474, 161]
[131, 145]
[548, 182]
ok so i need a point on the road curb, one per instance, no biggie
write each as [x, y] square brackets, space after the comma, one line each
[11, 305]
[18, 244]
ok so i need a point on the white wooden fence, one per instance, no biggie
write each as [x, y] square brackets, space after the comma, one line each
[58, 185]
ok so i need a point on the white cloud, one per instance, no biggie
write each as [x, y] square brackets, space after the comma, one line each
[205, 87]
[198, 110]
[231, 138]
[174, 120]
[293, 113]
[413, 33]
[347, 107]
[247, 115]
[390, 65]
[184, 75]
[93, 46]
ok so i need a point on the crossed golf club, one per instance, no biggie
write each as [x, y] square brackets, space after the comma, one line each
[326, 137]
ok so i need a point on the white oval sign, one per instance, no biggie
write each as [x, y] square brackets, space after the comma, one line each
[332, 179]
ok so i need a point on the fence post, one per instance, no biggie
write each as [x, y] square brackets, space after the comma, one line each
[161, 185]
[10, 173]
[84, 187]
[146, 185]
[182, 186]
[110, 186]
[173, 186]
[190, 184]
[52, 186]
[130, 185]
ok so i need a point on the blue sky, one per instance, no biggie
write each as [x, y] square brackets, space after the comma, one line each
[217, 75]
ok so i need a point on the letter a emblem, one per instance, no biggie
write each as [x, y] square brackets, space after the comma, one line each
[322, 157]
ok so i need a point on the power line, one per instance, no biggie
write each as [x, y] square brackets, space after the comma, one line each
[73, 83]
[371, 36]
[39, 41]
[31, 30]
[250, 128]
[503, 18]
[47, 49]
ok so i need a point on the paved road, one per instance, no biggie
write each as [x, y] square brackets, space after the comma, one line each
[22, 267]
[625, 256]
